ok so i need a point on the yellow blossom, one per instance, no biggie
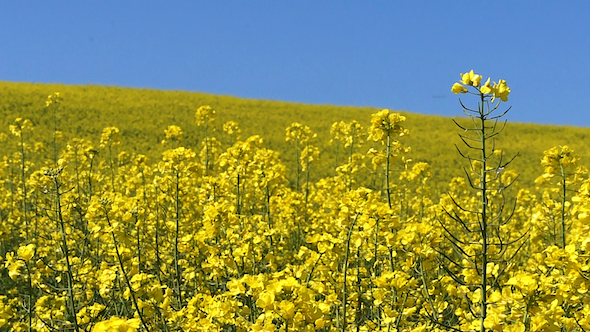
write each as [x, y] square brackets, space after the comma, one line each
[501, 90]
[470, 78]
[487, 87]
[54, 98]
[458, 88]
[26, 252]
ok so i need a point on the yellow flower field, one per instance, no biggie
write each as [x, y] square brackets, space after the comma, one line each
[223, 235]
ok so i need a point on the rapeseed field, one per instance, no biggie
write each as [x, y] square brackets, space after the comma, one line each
[140, 210]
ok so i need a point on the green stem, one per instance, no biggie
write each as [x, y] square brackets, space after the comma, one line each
[425, 284]
[137, 238]
[297, 162]
[157, 231]
[350, 156]
[563, 200]
[206, 147]
[336, 157]
[65, 250]
[387, 164]
[238, 188]
[177, 231]
[484, 225]
[90, 179]
[307, 180]
[29, 298]
[24, 180]
[54, 136]
[112, 168]
[268, 215]
[120, 259]
[345, 267]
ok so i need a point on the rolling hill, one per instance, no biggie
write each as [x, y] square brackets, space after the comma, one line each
[142, 115]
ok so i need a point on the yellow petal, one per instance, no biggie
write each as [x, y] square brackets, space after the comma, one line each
[458, 88]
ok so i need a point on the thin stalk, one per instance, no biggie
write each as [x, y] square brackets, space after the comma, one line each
[139, 312]
[350, 156]
[336, 158]
[359, 304]
[307, 181]
[425, 284]
[312, 270]
[24, 180]
[206, 148]
[65, 250]
[145, 203]
[137, 238]
[297, 162]
[345, 267]
[375, 248]
[12, 184]
[563, 200]
[422, 200]
[77, 170]
[55, 136]
[90, 178]
[157, 230]
[176, 235]
[238, 188]
[112, 168]
[387, 162]
[398, 320]
[484, 226]
[268, 215]
[29, 300]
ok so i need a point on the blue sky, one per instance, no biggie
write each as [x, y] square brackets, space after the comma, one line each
[402, 55]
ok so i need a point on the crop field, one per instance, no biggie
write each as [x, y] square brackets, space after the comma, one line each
[140, 210]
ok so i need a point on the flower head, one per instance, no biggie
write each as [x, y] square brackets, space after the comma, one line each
[470, 78]
[204, 114]
[458, 88]
[487, 87]
[497, 90]
[26, 252]
[54, 98]
[501, 90]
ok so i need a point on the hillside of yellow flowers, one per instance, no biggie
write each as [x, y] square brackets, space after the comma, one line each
[139, 210]
[142, 115]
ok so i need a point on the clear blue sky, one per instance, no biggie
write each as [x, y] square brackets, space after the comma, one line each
[402, 55]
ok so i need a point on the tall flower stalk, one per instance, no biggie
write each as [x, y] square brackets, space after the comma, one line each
[385, 128]
[18, 129]
[481, 241]
[53, 101]
[561, 171]
[205, 116]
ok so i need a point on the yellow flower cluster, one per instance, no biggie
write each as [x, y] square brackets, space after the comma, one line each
[232, 129]
[20, 125]
[204, 115]
[495, 90]
[174, 134]
[117, 324]
[349, 133]
[7, 312]
[386, 124]
[27, 252]
[110, 136]
[54, 98]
